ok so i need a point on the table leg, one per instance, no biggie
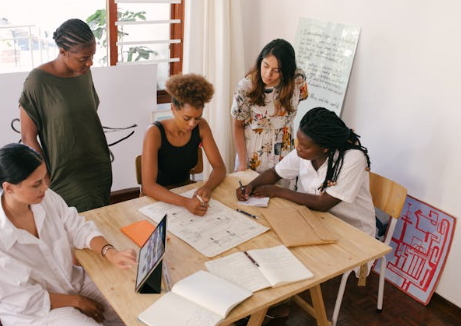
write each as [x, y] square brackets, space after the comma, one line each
[318, 305]
[257, 318]
[317, 309]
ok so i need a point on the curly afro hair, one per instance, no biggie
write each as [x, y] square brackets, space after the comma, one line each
[192, 89]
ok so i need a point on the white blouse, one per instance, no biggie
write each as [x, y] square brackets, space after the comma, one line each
[32, 267]
[352, 187]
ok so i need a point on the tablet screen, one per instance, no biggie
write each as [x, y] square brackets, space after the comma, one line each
[151, 253]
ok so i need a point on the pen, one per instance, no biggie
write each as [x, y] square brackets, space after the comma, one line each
[246, 213]
[242, 189]
[200, 199]
[251, 258]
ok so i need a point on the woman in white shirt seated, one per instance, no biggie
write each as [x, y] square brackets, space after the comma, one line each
[39, 285]
[331, 167]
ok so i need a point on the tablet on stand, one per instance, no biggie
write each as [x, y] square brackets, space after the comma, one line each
[149, 274]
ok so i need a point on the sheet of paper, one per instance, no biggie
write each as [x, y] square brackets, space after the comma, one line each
[280, 266]
[255, 201]
[218, 231]
[238, 269]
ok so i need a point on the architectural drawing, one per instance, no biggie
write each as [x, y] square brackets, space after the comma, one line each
[219, 230]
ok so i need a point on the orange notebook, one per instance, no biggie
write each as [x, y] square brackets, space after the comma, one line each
[139, 232]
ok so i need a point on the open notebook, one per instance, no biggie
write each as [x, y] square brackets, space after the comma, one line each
[201, 299]
[260, 268]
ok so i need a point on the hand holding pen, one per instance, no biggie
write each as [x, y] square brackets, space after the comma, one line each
[243, 192]
[203, 203]
[197, 205]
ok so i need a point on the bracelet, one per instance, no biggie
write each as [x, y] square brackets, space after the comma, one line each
[106, 248]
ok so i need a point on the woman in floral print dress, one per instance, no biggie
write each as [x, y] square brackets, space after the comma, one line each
[264, 107]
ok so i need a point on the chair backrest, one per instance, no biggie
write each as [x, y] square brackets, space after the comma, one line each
[138, 170]
[198, 168]
[387, 195]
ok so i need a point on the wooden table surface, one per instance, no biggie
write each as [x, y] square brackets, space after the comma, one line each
[353, 249]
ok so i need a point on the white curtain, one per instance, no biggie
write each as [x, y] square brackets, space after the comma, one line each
[213, 47]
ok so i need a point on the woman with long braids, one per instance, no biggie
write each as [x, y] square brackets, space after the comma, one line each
[264, 106]
[331, 167]
[59, 106]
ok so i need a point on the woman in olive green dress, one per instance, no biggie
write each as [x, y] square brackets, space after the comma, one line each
[58, 110]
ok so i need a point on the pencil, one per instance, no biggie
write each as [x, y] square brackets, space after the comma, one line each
[246, 213]
[251, 259]
[200, 199]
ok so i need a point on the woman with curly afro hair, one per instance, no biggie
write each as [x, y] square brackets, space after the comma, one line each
[170, 147]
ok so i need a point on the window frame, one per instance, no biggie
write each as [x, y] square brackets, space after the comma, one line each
[176, 50]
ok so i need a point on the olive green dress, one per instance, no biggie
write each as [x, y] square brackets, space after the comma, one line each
[70, 132]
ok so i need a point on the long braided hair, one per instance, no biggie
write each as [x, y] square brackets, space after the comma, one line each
[73, 33]
[327, 130]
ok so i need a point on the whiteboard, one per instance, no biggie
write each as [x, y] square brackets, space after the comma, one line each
[128, 96]
[325, 51]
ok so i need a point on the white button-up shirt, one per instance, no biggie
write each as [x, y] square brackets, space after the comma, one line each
[32, 267]
[352, 187]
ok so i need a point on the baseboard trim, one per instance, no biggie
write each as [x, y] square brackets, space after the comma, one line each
[124, 195]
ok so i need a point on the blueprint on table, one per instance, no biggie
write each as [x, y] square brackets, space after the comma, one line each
[219, 230]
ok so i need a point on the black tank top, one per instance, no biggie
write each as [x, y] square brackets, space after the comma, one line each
[174, 162]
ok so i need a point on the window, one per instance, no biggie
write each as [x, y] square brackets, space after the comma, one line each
[148, 31]
[138, 30]
[27, 27]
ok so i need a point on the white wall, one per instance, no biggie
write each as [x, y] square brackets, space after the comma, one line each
[127, 95]
[403, 96]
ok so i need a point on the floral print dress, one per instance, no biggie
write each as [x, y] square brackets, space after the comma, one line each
[268, 131]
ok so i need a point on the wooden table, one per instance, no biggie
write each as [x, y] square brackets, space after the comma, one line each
[354, 248]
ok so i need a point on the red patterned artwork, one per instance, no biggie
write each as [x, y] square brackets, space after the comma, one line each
[421, 243]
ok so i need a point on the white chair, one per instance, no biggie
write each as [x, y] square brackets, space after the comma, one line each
[389, 197]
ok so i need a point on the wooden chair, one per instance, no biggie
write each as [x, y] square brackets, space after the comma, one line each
[389, 197]
[197, 169]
